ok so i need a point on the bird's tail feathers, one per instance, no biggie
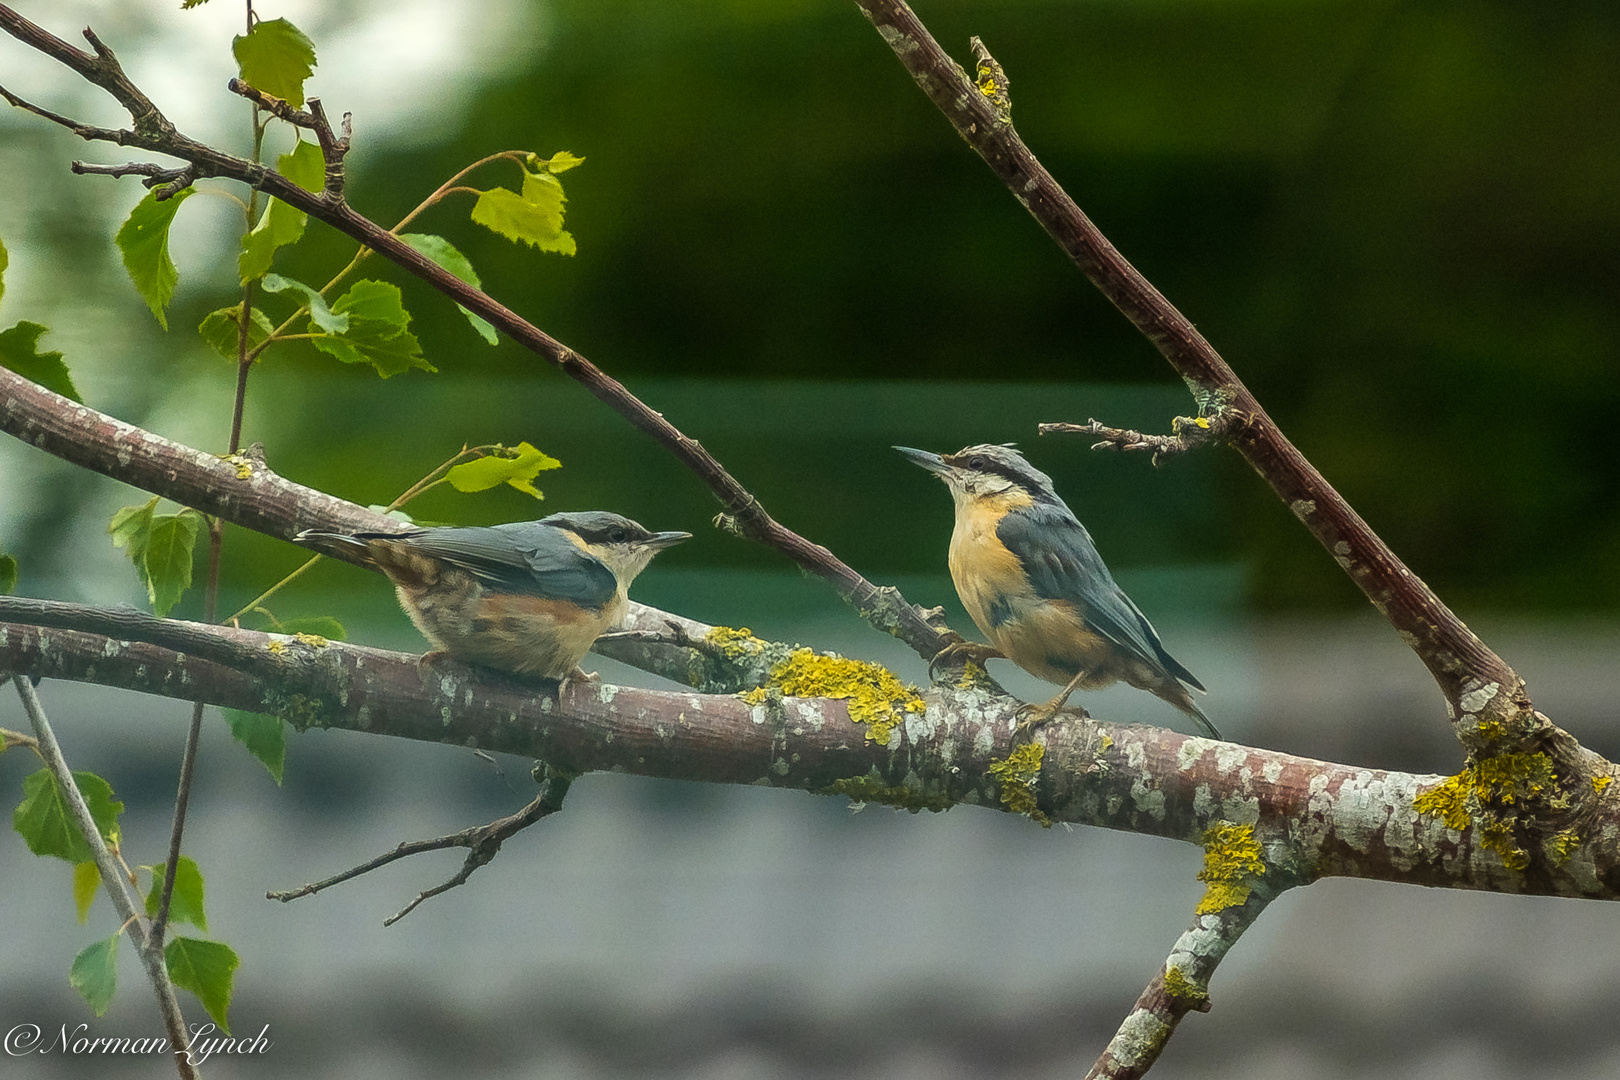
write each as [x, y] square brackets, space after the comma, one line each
[1191, 708]
[315, 538]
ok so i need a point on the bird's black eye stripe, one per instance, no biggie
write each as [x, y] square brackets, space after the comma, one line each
[982, 463]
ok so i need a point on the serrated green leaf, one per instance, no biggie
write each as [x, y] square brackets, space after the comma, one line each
[377, 333]
[19, 352]
[560, 162]
[375, 301]
[446, 255]
[371, 343]
[144, 241]
[186, 902]
[205, 968]
[169, 549]
[517, 467]
[131, 529]
[8, 575]
[281, 224]
[95, 973]
[534, 217]
[276, 58]
[86, 883]
[220, 329]
[304, 165]
[42, 818]
[264, 736]
[319, 314]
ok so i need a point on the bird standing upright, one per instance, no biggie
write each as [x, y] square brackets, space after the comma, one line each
[528, 597]
[1030, 577]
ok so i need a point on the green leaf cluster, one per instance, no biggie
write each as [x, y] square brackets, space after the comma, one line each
[377, 333]
[160, 546]
[533, 216]
[206, 968]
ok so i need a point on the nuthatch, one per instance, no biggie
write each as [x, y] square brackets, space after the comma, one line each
[529, 597]
[1032, 580]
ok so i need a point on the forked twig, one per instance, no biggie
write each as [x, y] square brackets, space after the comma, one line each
[482, 841]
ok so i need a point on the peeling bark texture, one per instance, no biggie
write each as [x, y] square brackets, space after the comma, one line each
[1459, 661]
[741, 511]
[1306, 819]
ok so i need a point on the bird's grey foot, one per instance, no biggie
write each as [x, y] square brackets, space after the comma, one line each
[578, 675]
[1031, 716]
[965, 652]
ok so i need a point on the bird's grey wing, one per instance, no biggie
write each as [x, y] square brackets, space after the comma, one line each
[1063, 564]
[527, 558]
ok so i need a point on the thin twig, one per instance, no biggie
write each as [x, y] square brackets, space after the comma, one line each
[482, 841]
[147, 944]
[1190, 433]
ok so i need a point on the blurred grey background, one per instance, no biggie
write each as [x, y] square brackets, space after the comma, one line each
[1399, 223]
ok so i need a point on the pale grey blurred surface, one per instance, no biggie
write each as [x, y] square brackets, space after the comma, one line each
[657, 928]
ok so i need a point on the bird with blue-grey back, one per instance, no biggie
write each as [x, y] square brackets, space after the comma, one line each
[1032, 580]
[528, 598]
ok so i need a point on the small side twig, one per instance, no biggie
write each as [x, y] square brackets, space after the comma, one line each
[482, 841]
[169, 182]
[333, 147]
[1190, 432]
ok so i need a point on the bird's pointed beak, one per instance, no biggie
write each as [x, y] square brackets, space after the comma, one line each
[924, 460]
[662, 540]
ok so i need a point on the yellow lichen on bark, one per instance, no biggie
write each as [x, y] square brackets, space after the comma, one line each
[876, 698]
[1231, 861]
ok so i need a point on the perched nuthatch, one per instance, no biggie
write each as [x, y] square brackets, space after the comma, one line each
[1032, 580]
[529, 597]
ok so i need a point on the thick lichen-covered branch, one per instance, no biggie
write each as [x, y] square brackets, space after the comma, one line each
[1302, 819]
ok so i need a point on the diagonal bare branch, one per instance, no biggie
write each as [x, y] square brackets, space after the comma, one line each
[1489, 706]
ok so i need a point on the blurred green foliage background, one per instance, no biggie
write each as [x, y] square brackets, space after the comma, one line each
[1399, 222]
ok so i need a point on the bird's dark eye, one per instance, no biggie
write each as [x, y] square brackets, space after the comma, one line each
[618, 536]
[977, 461]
